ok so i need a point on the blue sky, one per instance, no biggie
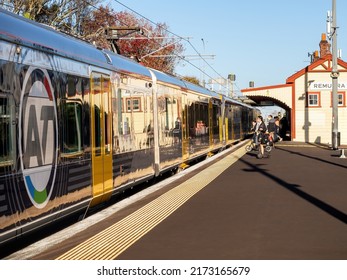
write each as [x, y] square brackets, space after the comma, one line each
[262, 41]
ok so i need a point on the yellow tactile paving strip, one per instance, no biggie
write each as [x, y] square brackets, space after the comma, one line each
[111, 242]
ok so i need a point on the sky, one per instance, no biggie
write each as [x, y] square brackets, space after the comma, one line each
[262, 41]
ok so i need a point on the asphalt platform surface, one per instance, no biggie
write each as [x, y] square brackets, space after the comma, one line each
[291, 205]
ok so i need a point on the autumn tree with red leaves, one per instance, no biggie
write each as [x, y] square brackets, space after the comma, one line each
[153, 47]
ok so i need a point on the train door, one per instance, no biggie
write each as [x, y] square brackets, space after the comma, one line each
[101, 137]
[210, 121]
[223, 123]
[185, 136]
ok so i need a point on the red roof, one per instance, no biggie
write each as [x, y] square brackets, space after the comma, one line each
[266, 87]
[310, 68]
[314, 65]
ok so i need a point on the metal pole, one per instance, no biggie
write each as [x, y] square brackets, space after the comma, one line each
[203, 65]
[334, 76]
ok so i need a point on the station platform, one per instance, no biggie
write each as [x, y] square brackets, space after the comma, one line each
[289, 206]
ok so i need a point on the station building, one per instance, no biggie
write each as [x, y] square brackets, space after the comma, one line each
[307, 98]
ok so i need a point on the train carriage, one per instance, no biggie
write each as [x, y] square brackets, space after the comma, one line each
[59, 100]
[238, 119]
[168, 119]
[203, 113]
[79, 124]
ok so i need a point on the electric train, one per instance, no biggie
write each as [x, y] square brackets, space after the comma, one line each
[79, 124]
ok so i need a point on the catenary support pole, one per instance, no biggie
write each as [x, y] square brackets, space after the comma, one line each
[334, 76]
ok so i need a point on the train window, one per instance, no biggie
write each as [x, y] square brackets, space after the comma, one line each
[168, 110]
[202, 118]
[72, 127]
[71, 86]
[107, 114]
[97, 108]
[74, 86]
[117, 111]
[97, 135]
[6, 132]
[85, 83]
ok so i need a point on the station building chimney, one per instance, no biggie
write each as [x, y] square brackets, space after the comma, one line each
[324, 49]
[324, 46]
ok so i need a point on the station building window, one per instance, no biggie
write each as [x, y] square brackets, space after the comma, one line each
[313, 99]
[133, 104]
[341, 99]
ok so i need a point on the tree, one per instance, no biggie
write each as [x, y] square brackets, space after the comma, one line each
[94, 26]
[191, 79]
[28, 9]
[64, 15]
[153, 47]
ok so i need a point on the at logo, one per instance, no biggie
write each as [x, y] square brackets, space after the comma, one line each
[38, 135]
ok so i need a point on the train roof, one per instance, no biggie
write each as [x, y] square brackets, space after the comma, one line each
[19, 30]
[169, 79]
[197, 88]
[127, 66]
[231, 100]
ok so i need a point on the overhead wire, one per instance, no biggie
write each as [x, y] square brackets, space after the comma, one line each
[172, 33]
[182, 38]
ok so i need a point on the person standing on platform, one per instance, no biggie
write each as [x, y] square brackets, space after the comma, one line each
[260, 130]
[277, 130]
[271, 127]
